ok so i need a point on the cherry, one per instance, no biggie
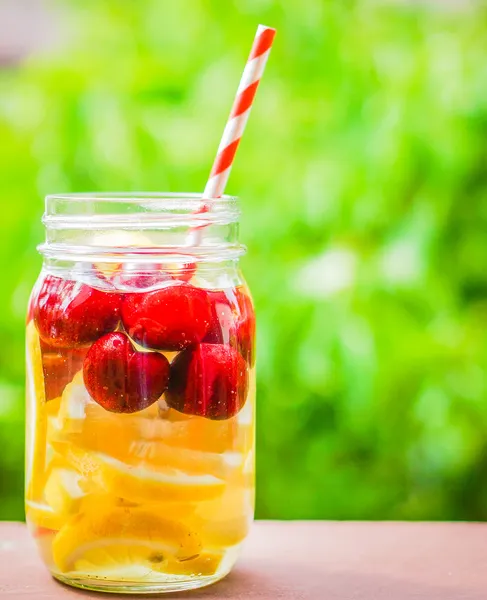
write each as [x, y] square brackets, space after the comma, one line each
[224, 317]
[121, 379]
[209, 380]
[69, 313]
[246, 327]
[170, 318]
[59, 366]
[233, 321]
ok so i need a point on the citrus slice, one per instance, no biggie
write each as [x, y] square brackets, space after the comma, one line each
[248, 471]
[157, 454]
[140, 484]
[104, 432]
[192, 432]
[73, 404]
[36, 415]
[225, 521]
[80, 415]
[52, 407]
[164, 485]
[63, 491]
[43, 516]
[100, 501]
[245, 420]
[97, 501]
[132, 537]
[85, 423]
[52, 426]
[140, 441]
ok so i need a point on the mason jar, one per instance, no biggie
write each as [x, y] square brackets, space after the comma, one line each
[140, 392]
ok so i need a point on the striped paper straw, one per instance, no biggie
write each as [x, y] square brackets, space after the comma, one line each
[237, 120]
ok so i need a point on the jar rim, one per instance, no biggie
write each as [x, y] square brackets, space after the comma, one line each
[137, 209]
[72, 219]
[135, 196]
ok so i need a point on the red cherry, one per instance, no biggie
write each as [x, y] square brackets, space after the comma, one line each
[170, 318]
[59, 366]
[209, 380]
[121, 379]
[233, 321]
[224, 317]
[70, 313]
[246, 327]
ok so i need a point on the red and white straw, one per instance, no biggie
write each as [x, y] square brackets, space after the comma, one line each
[240, 112]
[237, 120]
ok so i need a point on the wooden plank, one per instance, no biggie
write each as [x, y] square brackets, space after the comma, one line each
[308, 560]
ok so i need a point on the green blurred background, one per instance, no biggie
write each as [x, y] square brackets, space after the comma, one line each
[363, 177]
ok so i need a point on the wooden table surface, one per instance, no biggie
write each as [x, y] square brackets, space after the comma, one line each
[307, 560]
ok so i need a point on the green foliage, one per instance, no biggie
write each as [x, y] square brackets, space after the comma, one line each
[364, 189]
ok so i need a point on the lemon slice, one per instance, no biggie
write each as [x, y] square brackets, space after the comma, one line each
[43, 516]
[72, 409]
[80, 416]
[248, 471]
[164, 485]
[140, 484]
[103, 432]
[100, 501]
[130, 537]
[141, 441]
[52, 407]
[82, 420]
[225, 521]
[160, 455]
[78, 412]
[245, 435]
[36, 415]
[63, 491]
[191, 432]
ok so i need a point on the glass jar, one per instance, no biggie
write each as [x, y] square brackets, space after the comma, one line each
[140, 393]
